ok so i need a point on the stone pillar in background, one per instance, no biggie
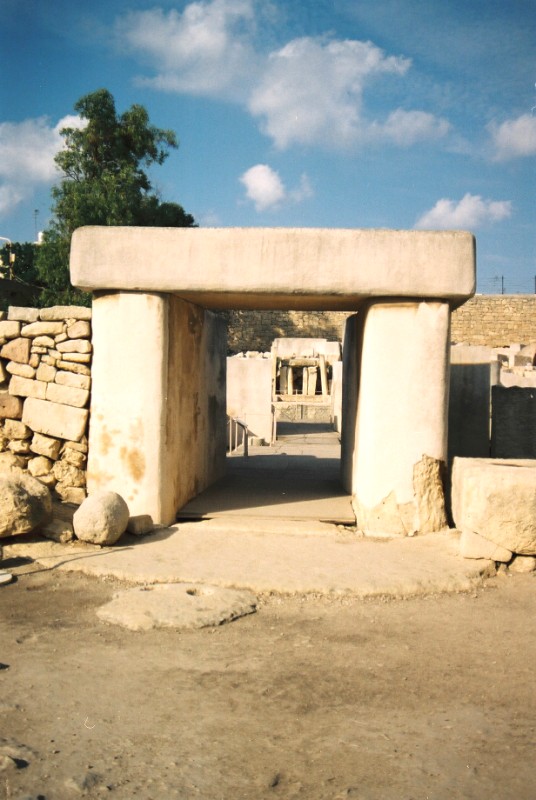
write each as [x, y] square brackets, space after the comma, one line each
[395, 422]
[157, 430]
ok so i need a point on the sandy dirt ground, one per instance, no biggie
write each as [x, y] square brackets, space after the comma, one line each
[308, 698]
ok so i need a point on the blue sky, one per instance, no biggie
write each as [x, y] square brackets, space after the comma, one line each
[339, 113]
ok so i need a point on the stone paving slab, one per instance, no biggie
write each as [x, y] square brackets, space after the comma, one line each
[269, 556]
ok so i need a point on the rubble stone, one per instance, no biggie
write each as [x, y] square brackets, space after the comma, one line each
[25, 503]
[17, 350]
[101, 519]
[39, 466]
[70, 494]
[10, 406]
[68, 474]
[23, 370]
[14, 429]
[45, 446]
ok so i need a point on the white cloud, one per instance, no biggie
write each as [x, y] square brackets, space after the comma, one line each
[203, 50]
[310, 91]
[266, 190]
[469, 213]
[514, 138]
[27, 151]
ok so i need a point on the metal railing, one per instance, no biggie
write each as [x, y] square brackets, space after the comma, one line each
[237, 435]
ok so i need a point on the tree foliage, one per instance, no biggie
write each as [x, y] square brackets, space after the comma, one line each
[19, 280]
[104, 163]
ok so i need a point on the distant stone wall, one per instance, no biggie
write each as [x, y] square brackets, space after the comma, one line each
[496, 320]
[492, 320]
[45, 381]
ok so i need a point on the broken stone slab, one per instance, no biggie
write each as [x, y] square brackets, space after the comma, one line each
[473, 545]
[496, 498]
[101, 519]
[55, 419]
[65, 312]
[25, 503]
[176, 605]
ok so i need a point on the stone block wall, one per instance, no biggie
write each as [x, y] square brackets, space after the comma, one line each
[256, 330]
[45, 382]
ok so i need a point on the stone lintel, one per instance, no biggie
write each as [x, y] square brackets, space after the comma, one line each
[276, 267]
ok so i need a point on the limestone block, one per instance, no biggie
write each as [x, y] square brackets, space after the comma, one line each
[44, 341]
[17, 350]
[25, 503]
[22, 370]
[38, 351]
[19, 446]
[523, 564]
[9, 330]
[9, 461]
[79, 358]
[473, 545]
[102, 518]
[39, 466]
[35, 360]
[497, 499]
[61, 337]
[74, 346]
[23, 313]
[80, 446]
[42, 329]
[14, 429]
[70, 494]
[77, 369]
[65, 312]
[54, 353]
[47, 359]
[25, 387]
[68, 474]
[54, 419]
[74, 380]
[67, 395]
[10, 406]
[79, 330]
[46, 373]
[45, 446]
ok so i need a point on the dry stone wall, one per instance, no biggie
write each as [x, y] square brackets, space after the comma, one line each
[492, 320]
[45, 383]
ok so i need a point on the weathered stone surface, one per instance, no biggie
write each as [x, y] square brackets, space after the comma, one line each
[65, 312]
[23, 370]
[10, 461]
[177, 605]
[25, 503]
[14, 429]
[38, 351]
[35, 360]
[71, 494]
[140, 524]
[23, 313]
[473, 545]
[72, 379]
[17, 350]
[44, 341]
[42, 329]
[497, 499]
[46, 373]
[58, 530]
[39, 466]
[429, 495]
[67, 395]
[74, 457]
[45, 446]
[26, 387]
[48, 360]
[523, 564]
[19, 446]
[10, 406]
[9, 330]
[80, 446]
[74, 346]
[61, 337]
[68, 474]
[78, 369]
[101, 519]
[77, 358]
[79, 330]
[54, 419]
[49, 480]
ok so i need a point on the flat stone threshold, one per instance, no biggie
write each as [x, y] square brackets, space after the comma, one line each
[270, 557]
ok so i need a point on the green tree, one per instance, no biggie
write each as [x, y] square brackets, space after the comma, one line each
[104, 183]
[19, 281]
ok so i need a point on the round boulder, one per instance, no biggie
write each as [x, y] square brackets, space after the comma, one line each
[25, 503]
[101, 519]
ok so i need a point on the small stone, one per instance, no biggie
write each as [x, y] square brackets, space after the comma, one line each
[39, 466]
[9, 462]
[70, 494]
[15, 429]
[58, 530]
[48, 480]
[46, 373]
[102, 518]
[140, 525]
[35, 360]
[79, 369]
[523, 564]
[17, 350]
[43, 341]
[45, 446]
[74, 457]
[20, 446]
[74, 346]
[10, 406]
[78, 358]
[68, 474]
[23, 370]
[42, 329]
[61, 337]
[79, 330]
